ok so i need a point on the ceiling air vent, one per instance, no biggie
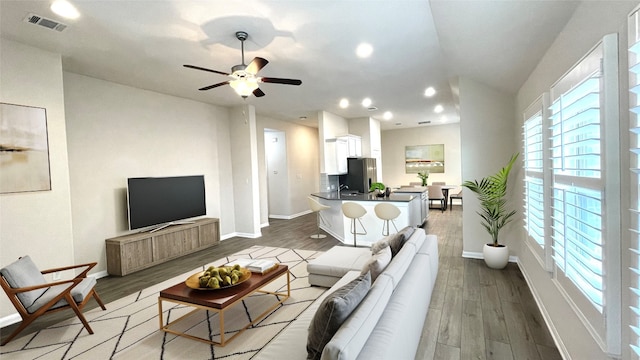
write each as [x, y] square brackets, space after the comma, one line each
[372, 108]
[42, 21]
[424, 122]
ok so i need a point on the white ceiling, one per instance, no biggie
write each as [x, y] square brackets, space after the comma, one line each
[416, 44]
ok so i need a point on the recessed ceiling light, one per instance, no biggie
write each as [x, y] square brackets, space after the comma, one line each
[364, 50]
[65, 9]
[344, 103]
[366, 102]
[438, 109]
[430, 91]
[387, 115]
[443, 119]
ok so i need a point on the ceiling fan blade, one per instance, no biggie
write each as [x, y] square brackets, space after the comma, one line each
[255, 65]
[281, 81]
[214, 86]
[258, 93]
[205, 69]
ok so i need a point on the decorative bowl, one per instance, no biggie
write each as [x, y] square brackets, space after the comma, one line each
[193, 281]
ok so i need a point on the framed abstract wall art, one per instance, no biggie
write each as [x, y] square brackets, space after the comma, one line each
[419, 158]
[24, 149]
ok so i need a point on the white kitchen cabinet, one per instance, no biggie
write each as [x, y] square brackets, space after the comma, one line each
[354, 145]
[336, 152]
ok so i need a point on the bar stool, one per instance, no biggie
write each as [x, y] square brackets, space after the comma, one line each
[354, 211]
[387, 212]
[316, 207]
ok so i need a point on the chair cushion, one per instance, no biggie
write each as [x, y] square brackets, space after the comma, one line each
[377, 263]
[333, 311]
[22, 273]
[79, 293]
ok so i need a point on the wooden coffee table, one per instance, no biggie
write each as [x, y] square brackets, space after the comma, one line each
[221, 300]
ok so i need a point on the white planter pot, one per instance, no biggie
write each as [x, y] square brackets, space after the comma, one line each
[496, 257]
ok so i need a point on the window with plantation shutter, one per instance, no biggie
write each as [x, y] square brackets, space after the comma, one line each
[584, 162]
[634, 123]
[536, 160]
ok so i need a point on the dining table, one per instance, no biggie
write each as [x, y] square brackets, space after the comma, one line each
[445, 192]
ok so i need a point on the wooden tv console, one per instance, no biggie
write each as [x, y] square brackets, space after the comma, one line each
[130, 253]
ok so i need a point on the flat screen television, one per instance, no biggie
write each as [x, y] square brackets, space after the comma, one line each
[164, 201]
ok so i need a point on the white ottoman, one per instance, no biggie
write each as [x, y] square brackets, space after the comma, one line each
[329, 267]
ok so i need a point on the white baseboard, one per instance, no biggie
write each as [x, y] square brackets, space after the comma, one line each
[248, 235]
[478, 255]
[289, 217]
[10, 319]
[547, 318]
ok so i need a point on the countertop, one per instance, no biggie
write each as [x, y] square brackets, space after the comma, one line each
[411, 189]
[347, 196]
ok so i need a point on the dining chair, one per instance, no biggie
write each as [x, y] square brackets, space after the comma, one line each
[436, 194]
[457, 196]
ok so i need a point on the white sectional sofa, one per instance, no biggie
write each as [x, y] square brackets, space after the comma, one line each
[387, 323]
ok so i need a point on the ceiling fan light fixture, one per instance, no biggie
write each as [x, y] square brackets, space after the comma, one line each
[244, 86]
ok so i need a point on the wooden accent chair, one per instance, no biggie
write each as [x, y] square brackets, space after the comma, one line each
[32, 296]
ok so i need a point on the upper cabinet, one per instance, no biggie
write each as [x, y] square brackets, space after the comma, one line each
[354, 145]
[336, 152]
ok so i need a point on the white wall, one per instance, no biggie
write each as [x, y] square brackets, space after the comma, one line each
[487, 141]
[590, 22]
[244, 170]
[116, 132]
[36, 223]
[303, 165]
[393, 156]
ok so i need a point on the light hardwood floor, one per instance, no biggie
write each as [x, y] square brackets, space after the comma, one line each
[475, 312]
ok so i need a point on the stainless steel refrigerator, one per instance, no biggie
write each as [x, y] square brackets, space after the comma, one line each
[361, 173]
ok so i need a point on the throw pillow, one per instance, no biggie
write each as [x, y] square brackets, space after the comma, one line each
[376, 264]
[397, 240]
[379, 245]
[333, 311]
[406, 233]
[395, 243]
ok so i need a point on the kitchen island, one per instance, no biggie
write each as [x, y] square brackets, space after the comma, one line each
[339, 226]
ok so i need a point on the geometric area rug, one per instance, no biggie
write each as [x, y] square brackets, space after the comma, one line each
[129, 328]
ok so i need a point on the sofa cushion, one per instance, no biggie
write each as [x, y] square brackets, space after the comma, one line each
[403, 258]
[377, 263]
[333, 311]
[333, 264]
[348, 341]
[399, 329]
[23, 273]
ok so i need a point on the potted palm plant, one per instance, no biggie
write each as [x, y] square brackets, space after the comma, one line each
[491, 191]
